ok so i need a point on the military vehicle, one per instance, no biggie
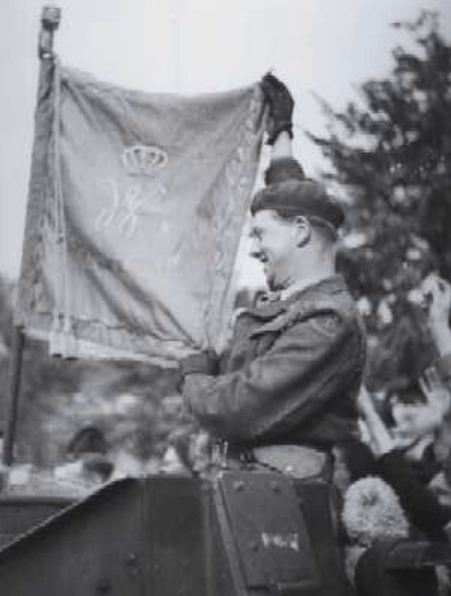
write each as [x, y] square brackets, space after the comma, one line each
[237, 533]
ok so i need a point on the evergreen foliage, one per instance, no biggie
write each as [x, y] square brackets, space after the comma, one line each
[390, 151]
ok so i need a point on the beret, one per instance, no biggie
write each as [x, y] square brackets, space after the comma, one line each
[299, 197]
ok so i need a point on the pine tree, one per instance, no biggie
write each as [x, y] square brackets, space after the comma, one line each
[390, 152]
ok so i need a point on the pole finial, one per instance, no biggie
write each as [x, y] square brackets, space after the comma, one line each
[50, 20]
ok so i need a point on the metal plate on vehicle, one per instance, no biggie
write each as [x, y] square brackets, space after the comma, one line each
[269, 530]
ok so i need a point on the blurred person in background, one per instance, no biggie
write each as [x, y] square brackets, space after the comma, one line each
[397, 458]
[87, 453]
[386, 496]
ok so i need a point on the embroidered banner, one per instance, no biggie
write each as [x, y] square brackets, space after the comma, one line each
[137, 203]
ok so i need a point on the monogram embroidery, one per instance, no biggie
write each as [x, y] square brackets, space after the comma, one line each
[127, 204]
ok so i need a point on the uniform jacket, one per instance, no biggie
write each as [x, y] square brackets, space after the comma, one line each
[292, 375]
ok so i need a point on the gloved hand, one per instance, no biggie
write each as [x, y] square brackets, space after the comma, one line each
[281, 106]
[205, 362]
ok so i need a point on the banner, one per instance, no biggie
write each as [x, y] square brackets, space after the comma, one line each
[136, 207]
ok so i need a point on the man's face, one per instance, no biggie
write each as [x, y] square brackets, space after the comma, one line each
[274, 241]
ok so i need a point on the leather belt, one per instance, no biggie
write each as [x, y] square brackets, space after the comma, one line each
[297, 461]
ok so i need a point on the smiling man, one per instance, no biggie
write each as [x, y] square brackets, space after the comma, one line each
[286, 395]
[294, 233]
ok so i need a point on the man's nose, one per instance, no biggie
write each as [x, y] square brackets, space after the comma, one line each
[255, 251]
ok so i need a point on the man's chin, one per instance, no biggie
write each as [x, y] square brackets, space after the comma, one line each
[271, 283]
[271, 280]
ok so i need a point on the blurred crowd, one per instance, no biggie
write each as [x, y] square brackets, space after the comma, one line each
[397, 479]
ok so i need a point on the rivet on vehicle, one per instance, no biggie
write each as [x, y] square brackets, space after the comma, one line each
[132, 558]
[253, 545]
[238, 485]
[103, 586]
[274, 486]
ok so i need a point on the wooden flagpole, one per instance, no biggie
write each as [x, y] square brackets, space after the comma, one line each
[15, 369]
[50, 19]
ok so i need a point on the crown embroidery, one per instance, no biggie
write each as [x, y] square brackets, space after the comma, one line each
[143, 160]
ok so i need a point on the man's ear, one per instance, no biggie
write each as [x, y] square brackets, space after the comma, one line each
[304, 229]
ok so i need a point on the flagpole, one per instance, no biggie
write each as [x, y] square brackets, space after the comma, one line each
[15, 369]
[50, 19]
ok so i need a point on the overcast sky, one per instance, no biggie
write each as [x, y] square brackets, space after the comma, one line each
[186, 46]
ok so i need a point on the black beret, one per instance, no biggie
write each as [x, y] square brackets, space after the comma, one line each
[299, 197]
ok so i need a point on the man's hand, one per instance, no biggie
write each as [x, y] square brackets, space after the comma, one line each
[281, 106]
[437, 395]
[204, 362]
[437, 296]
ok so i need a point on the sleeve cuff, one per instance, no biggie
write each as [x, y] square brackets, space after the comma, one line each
[201, 363]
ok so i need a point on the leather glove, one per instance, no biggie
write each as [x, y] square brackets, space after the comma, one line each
[205, 362]
[281, 106]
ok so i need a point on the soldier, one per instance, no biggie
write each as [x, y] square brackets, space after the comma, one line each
[287, 393]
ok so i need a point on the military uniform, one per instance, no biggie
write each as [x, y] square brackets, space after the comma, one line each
[292, 375]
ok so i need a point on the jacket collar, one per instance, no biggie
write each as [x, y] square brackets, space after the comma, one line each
[328, 285]
[274, 307]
